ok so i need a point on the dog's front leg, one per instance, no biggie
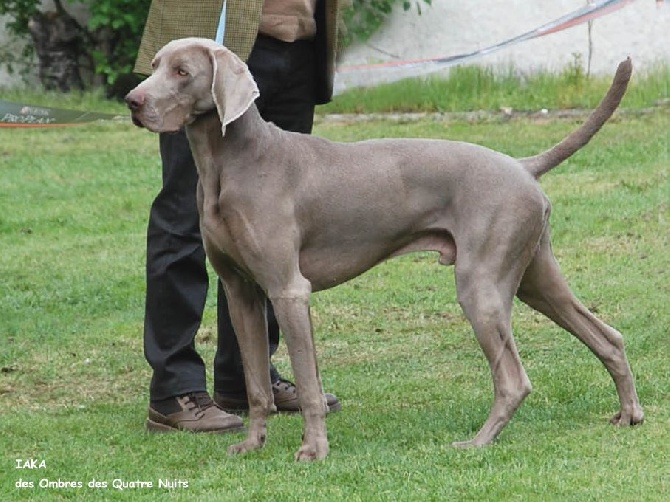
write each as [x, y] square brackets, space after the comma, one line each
[247, 304]
[291, 306]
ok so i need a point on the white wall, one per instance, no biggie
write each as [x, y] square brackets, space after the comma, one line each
[450, 27]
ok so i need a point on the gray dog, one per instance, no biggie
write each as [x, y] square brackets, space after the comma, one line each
[330, 211]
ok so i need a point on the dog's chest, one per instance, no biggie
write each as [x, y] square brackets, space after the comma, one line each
[219, 238]
[230, 237]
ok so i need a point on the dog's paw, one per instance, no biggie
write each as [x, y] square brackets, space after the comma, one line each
[633, 416]
[245, 446]
[309, 452]
[466, 444]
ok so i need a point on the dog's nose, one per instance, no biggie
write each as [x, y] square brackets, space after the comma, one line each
[134, 100]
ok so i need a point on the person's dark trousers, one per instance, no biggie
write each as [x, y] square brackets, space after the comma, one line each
[176, 273]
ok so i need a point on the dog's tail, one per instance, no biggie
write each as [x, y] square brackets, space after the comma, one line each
[543, 162]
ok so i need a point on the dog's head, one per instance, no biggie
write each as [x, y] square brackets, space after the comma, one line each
[191, 76]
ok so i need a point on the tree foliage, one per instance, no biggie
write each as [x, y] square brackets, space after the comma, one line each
[19, 12]
[365, 17]
[110, 37]
[118, 26]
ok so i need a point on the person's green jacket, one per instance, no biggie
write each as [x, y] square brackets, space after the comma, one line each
[172, 19]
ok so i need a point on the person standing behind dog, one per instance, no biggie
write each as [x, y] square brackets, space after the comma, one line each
[289, 46]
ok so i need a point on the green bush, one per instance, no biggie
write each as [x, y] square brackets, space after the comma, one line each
[110, 37]
[365, 17]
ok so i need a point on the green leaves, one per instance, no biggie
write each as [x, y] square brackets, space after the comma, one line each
[364, 17]
[19, 12]
[112, 33]
[116, 27]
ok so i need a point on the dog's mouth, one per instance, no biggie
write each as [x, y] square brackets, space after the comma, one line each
[149, 125]
[136, 120]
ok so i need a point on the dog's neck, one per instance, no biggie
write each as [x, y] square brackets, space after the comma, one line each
[204, 137]
[208, 142]
[249, 125]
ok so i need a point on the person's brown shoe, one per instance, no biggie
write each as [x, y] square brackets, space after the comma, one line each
[194, 412]
[285, 395]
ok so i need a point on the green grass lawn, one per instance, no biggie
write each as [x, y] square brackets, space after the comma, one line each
[393, 343]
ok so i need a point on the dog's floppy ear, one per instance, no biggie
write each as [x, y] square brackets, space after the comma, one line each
[233, 87]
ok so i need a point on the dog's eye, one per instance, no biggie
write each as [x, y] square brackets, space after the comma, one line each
[181, 72]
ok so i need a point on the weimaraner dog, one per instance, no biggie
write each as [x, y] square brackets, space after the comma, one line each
[284, 214]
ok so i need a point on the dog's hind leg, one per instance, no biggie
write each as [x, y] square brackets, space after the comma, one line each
[544, 288]
[485, 294]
